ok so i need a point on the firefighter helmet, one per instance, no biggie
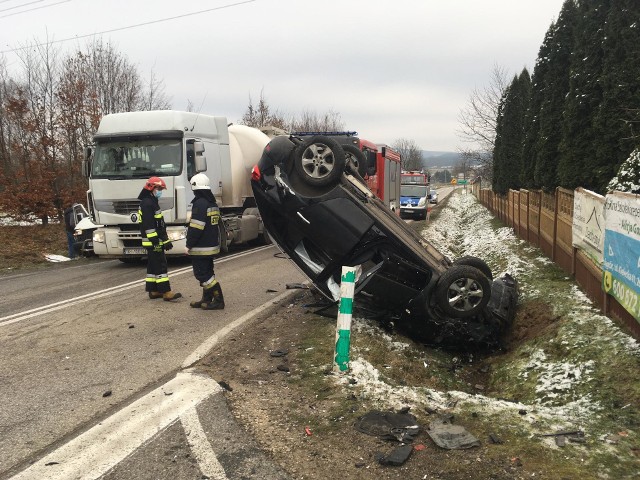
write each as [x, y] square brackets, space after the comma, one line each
[200, 182]
[154, 182]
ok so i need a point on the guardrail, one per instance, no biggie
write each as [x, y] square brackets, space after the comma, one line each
[546, 221]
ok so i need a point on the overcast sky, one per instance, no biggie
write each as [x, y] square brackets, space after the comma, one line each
[391, 69]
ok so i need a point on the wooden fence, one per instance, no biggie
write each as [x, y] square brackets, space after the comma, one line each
[545, 220]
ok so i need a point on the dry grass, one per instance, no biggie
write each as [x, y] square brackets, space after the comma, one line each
[24, 247]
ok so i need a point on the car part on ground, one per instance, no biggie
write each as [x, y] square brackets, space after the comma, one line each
[318, 210]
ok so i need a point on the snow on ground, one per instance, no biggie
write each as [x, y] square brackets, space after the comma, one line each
[561, 385]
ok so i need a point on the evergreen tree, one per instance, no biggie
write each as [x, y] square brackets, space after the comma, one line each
[552, 85]
[499, 182]
[578, 144]
[532, 118]
[628, 177]
[620, 91]
[510, 134]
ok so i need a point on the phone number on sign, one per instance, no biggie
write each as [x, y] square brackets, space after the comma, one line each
[627, 297]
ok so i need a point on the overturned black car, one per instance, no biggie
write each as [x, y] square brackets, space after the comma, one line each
[317, 208]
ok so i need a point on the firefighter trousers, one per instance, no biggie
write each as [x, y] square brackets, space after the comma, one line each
[157, 278]
[203, 269]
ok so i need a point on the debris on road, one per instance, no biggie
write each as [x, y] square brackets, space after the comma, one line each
[402, 427]
[397, 457]
[279, 353]
[452, 437]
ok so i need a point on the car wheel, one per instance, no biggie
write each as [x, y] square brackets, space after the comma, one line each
[354, 155]
[477, 263]
[319, 162]
[462, 291]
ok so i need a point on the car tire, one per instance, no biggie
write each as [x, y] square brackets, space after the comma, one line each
[462, 291]
[477, 263]
[357, 158]
[319, 162]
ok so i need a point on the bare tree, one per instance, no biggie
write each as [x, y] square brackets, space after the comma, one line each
[155, 98]
[261, 115]
[310, 121]
[50, 111]
[410, 153]
[478, 121]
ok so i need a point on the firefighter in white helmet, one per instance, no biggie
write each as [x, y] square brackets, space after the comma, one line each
[203, 242]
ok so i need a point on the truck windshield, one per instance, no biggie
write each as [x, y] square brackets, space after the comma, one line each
[137, 159]
[413, 191]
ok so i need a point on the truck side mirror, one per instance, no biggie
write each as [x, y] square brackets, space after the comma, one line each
[201, 164]
[86, 163]
[200, 160]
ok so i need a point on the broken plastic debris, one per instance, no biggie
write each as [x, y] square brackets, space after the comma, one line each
[307, 431]
[397, 457]
[225, 385]
[402, 427]
[449, 436]
[279, 353]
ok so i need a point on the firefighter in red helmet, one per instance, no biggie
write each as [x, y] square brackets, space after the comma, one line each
[154, 238]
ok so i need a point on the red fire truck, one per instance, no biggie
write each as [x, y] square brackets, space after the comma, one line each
[383, 173]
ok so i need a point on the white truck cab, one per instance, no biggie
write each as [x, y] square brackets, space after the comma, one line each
[133, 146]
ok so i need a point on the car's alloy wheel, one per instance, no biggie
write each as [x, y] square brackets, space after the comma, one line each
[354, 155]
[462, 291]
[320, 161]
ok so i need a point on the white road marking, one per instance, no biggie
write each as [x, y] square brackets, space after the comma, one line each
[206, 346]
[200, 446]
[52, 307]
[99, 449]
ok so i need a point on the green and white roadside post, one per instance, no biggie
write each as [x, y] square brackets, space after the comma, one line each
[343, 328]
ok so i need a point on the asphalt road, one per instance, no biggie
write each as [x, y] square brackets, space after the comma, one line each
[88, 365]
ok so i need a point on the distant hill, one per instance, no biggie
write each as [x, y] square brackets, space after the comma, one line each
[433, 159]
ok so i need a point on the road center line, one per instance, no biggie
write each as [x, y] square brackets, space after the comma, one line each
[35, 312]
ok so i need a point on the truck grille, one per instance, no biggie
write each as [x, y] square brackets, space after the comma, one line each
[121, 207]
[130, 237]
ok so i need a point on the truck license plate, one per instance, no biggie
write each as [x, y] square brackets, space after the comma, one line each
[135, 251]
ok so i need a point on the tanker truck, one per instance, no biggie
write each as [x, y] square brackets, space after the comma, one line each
[130, 147]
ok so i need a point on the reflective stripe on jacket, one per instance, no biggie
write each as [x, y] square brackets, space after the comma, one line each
[151, 221]
[203, 234]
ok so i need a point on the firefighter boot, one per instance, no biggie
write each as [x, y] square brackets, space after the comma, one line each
[218, 299]
[171, 296]
[153, 295]
[207, 296]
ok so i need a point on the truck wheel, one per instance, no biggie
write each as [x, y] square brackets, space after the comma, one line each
[462, 291]
[319, 162]
[224, 246]
[477, 263]
[354, 155]
[266, 238]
